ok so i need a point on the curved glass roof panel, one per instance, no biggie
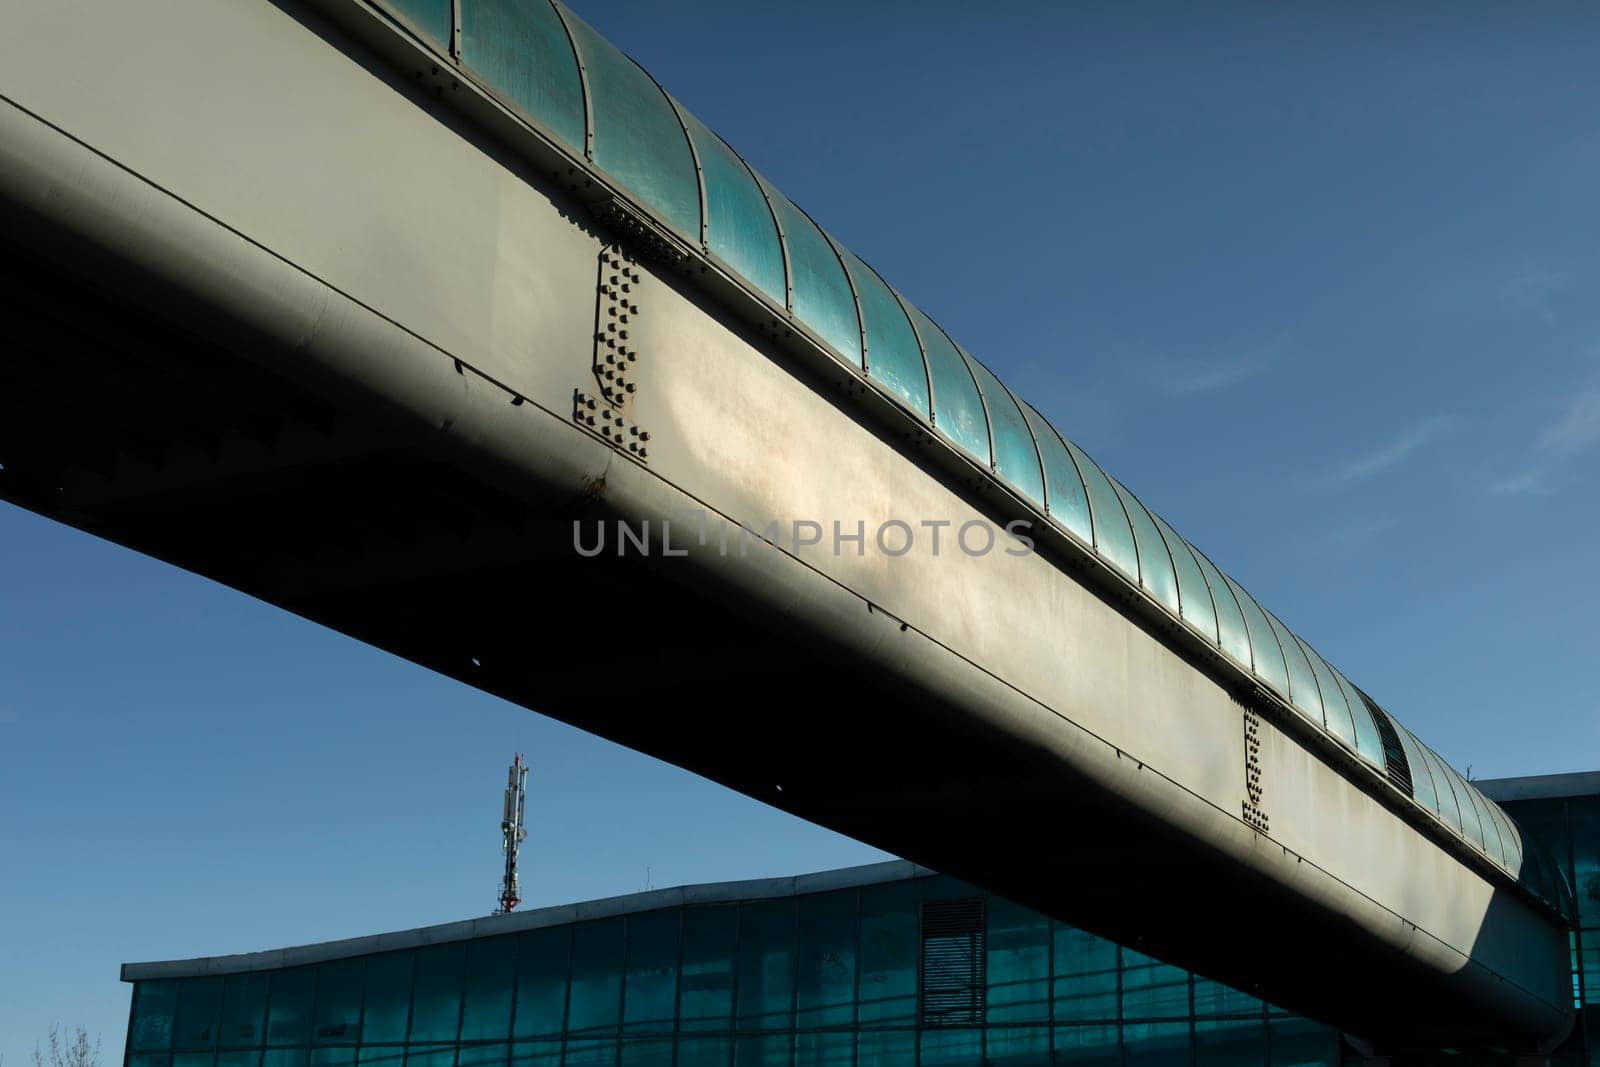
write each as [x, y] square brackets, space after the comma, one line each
[823, 299]
[1449, 806]
[1194, 596]
[1113, 537]
[1335, 711]
[1470, 822]
[1015, 457]
[1232, 635]
[1422, 785]
[1067, 503]
[1491, 831]
[894, 359]
[522, 49]
[957, 408]
[432, 17]
[1156, 576]
[637, 136]
[1264, 648]
[740, 229]
[1369, 744]
[1303, 691]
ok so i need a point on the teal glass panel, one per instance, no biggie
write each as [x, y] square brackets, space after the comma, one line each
[436, 996]
[150, 1059]
[889, 954]
[1422, 785]
[635, 1050]
[1230, 1042]
[542, 957]
[199, 1011]
[650, 991]
[431, 17]
[886, 1048]
[519, 49]
[767, 1050]
[1068, 505]
[824, 1048]
[486, 997]
[1156, 576]
[1088, 1046]
[155, 1007]
[893, 356]
[1017, 965]
[194, 1059]
[1295, 1042]
[1214, 998]
[536, 1054]
[637, 136]
[493, 1054]
[332, 1056]
[1369, 745]
[430, 1055]
[1113, 537]
[766, 965]
[289, 1006]
[1264, 650]
[957, 408]
[952, 1048]
[1015, 458]
[823, 299]
[825, 992]
[1232, 635]
[387, 1004]
[1584, 816]
[381, 1056]
[705, 982]
[699, 1051]
[1491, 832]
[596, 997]
[1194, 596]
[337, 1019]
[1017, 1046]
[282, 1057]
[1085, 976]
[1303, 692]
[1155, 1044]
[1335, 709]
[1152, 989]
[740, 230]
[251, 1057]
[1449, 806]
[1509, 838]
[590, 1051]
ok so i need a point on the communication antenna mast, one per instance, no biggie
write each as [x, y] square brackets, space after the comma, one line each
[513, 832]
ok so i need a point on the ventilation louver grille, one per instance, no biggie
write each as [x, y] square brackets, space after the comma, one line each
[952, 963]
[1394, 757]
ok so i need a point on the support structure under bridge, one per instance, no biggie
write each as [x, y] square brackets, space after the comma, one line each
[361, 307]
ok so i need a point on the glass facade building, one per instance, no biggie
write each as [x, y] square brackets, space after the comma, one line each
[884, 966]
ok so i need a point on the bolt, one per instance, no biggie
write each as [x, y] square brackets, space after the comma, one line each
[644, 435]
[629, 387]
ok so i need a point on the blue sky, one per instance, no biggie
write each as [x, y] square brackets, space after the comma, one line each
[1320, 287]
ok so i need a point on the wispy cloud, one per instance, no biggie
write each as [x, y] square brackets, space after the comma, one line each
[1533, 291]
[1359, 532]
[1391, 454]
[1186, 377]
[1576, 429]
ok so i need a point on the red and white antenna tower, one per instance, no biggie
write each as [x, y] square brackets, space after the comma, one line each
[513, 832]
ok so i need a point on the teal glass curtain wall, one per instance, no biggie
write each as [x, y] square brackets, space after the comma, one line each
[827, 979]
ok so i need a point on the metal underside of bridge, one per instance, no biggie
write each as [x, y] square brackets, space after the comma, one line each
[281, 316]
